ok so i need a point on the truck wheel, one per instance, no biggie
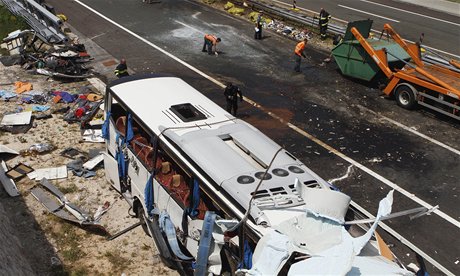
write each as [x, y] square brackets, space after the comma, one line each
[405, 96]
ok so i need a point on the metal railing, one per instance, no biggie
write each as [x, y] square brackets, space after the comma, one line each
[304, 20]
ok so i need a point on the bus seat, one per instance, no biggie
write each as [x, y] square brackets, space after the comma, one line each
[148, 154]
[138, 143]
[201, 210]
[120, 125]
[180, 189]
[165, 180]
[165, 167]
[177, 180]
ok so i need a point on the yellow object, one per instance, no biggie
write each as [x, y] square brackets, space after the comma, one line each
[94, 97]
[62, 17]
[253, 16]
[384, 250]
[229, 5]
[236, 11]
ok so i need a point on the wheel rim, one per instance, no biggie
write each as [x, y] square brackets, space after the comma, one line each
[404, 97]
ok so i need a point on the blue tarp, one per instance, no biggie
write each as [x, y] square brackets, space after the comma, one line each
[105, 126]
[129, 129]
[195, 199]
[148, 195]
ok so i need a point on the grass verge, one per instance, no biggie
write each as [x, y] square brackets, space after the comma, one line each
[10, 22]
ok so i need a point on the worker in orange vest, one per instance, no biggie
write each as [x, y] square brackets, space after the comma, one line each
[211, 41]
[299, 48]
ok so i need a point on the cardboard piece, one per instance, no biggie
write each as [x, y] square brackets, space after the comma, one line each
[19, 171]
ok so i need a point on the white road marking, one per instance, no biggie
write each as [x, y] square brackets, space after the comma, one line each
[414, 13]
[300, 131]
[432, 140]
[96, 36]
[346, 22]
[195, 15]
[404, 240]
[281, 120]
[188, 26]
[365, 12]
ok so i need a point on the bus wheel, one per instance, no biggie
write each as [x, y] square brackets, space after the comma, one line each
[143, 219]
[405, 96]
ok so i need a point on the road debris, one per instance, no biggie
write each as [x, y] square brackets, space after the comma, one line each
[35, 149]
[59, 206]
[7, 182]
[19, 171]
[16, 119]
[48, 173]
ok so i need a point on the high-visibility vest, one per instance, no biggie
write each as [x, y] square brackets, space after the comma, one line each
[211, 38]
[299, 48]
[324, 18]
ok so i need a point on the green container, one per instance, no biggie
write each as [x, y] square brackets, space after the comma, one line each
[355, 62]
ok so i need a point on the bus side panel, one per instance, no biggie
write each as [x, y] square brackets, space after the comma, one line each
[112, 143]
[165, 202]
[138, 178]
[111, 171]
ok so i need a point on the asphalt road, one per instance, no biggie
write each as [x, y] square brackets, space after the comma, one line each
[353, 120]
[442, 30]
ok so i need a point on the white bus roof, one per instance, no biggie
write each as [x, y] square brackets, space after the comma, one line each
[150, 99]
[233, 153]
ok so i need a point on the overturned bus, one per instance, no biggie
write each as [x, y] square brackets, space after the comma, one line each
[218, 196]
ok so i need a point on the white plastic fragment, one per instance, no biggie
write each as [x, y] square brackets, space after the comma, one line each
[16, 119]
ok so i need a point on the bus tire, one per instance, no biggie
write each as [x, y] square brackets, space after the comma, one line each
[405, 96]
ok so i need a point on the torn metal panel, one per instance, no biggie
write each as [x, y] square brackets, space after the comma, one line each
[49, 173]
[5, 149]
[74, 210]
[56, 203]
[6, 152]
[92, 163]
[51, 204]
[50, 73]
[8, 183]
[15, 119]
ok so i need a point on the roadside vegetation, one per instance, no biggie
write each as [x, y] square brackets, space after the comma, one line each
[10, 22]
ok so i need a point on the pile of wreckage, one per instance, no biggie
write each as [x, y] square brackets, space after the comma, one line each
[64, 61]
[82, 164]
[84, 108]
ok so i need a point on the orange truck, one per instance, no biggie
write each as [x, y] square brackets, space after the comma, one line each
[408, 78]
